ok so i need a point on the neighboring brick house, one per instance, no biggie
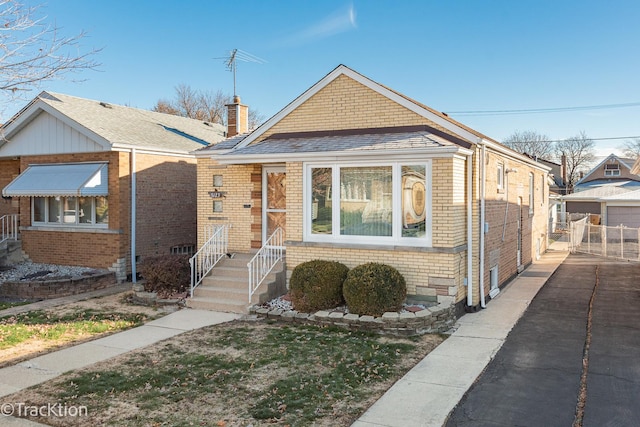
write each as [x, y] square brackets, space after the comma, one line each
[609, 192]
[355, 172]
[77, 171]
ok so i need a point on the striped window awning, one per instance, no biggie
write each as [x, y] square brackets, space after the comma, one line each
[67, 179]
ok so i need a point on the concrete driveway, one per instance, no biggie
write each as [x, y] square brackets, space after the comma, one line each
[573, 356]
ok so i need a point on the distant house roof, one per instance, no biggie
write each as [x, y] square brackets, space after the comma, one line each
[118, 126]
[629, 196]
[589, 176]
[606, 190]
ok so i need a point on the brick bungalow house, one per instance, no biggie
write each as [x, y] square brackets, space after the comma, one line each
[94, 183]
[355, 172]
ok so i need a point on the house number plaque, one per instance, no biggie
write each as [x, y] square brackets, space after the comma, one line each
[217, 194]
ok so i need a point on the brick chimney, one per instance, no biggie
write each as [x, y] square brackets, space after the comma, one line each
[563, 169]
[237, 117]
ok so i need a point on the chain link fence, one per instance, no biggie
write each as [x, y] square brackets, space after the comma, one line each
[612, 242]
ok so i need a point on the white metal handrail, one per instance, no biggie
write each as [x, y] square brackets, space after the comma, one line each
[209, 254]
[263, 262]
[9, 227]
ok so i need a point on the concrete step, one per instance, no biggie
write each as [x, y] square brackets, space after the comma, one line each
[238, 260]
[226, 282]
[221, 293]
[224, 305]
[226, 288]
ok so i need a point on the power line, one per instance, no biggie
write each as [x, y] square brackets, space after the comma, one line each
[542, 110]
[594, 139]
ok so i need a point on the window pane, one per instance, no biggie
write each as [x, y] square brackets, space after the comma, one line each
[366, 201]
[321, 222]
[85, 213]
[54, 209]
[102, 210]
[70, 206]
[414, 208]
[39, 204]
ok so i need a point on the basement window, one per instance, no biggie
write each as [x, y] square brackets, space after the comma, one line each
[183, 250]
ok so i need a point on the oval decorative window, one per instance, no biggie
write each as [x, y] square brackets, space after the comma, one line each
[418, 192]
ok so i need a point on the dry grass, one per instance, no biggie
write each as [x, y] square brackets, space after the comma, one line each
[237, 374]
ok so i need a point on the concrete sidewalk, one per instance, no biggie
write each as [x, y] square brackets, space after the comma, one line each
[423, 397]
[49, 366]
[427, 393]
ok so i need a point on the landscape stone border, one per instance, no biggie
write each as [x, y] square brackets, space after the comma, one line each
[437, 319]
[56, 288]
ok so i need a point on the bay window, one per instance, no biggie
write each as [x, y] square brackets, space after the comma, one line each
[370, 203]
[70, 211]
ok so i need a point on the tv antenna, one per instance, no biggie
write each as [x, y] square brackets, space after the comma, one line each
[239, 55]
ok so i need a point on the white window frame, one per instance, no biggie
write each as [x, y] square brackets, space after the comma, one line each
[531, 192]
[500, 176]
[396, 238]
[67, 224]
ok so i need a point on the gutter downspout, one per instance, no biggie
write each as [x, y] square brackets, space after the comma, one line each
[133, 216]
[483, 177]
[470, 230]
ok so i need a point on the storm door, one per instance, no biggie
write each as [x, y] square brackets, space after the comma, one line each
[274, 200]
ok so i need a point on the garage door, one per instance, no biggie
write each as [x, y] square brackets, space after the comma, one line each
[627, 215]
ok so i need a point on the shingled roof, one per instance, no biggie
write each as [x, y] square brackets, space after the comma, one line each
[120, 126]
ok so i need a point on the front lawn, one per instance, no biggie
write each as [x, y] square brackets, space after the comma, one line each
[35, 332]
[237, 374]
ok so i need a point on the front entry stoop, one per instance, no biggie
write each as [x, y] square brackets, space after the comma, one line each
[226, 288]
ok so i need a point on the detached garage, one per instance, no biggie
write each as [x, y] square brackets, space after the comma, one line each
[623, 209]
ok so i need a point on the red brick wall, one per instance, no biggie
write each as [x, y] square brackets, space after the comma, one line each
[86, 249]
[166, 212]
[91, 249]
[166, 203]
[9, 169]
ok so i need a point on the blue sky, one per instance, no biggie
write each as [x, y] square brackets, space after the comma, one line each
[460, 55]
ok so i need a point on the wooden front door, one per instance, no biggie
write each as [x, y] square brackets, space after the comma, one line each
[274, 200]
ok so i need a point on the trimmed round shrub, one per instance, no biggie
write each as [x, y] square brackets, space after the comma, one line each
[166, 274]
[373, 288]
[317, 285]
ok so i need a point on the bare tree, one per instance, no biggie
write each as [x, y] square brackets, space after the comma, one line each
[32, 51]
[255, 119]
[202, 105]
[631, 148]
[530, 142]
[579, 152]
[164, 106]
[213, 105]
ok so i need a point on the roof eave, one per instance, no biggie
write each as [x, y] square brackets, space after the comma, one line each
[409, 154]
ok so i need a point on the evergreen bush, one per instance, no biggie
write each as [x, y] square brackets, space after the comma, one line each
[373, 288]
